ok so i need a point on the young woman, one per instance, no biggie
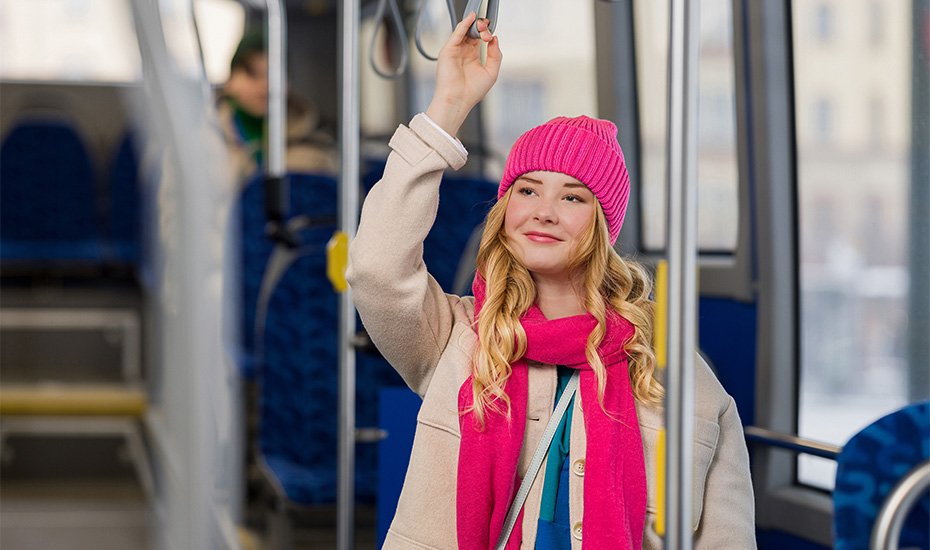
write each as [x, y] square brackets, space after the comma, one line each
[552, 297]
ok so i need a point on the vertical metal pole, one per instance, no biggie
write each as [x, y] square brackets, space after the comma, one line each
[207, 88]
[192, 417]
[277, 87]
[919, 219]
[682, 287]
[349, 12]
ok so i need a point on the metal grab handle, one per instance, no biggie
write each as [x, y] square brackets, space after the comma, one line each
[395, 18]
[491, 14]
[277, 86]
[890, 520]
[398, 20]
[450, 7]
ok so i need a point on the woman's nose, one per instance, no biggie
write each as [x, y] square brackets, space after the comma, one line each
[545, 212]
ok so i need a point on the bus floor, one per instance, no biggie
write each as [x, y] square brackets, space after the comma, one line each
[113, 514]
[75, 514]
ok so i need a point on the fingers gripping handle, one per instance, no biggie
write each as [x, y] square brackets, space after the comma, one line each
[491, 14]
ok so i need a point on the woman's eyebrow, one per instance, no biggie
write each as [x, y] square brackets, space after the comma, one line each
[572, 184]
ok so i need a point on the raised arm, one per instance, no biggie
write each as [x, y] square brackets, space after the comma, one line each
[406, 313]
[461, 80]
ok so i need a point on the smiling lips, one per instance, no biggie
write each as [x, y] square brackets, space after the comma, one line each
[540, 237]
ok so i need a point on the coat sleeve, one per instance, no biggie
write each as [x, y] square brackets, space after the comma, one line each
[407, 315]
[728, 520]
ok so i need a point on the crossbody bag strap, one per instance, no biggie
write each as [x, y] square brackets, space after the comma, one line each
[537, 461]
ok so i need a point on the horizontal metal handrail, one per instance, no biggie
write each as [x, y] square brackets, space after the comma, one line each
[899, 502]
[755, 434]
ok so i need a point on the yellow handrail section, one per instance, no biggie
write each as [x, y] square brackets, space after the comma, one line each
[337, 260]
[660, 344]
[660, 330]
[660, 483]
[72, 401]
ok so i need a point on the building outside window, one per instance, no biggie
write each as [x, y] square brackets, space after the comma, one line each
[823, 23]
[853, 225]
[823, 120]
[717, 154]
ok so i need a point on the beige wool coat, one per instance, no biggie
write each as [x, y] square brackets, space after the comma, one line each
[427, 336]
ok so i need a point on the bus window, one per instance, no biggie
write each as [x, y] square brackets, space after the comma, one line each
[717, 154]
[853, 135]
[95, 41]
[221, 24]
[90, 40]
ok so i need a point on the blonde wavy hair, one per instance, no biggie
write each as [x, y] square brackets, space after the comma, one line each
[605, 280]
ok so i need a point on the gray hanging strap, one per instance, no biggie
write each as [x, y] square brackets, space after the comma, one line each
[537, 461]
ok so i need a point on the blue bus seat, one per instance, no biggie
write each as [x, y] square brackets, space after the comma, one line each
[124, 216]
[298, 380]
[463, 203]
[48, 201]
[312, 195]
[868, 468]
[293, 309]
[397, 416]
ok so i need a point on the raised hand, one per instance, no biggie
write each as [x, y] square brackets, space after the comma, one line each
[461, 80]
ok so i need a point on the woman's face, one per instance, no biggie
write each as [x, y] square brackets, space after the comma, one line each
[547, 215]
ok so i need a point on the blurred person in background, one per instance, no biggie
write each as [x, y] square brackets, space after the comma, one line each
[243, 110]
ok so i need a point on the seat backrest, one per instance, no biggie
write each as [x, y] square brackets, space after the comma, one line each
[48, 198]
[868, 468]
[298, 377]
[124, 215]
[299, 341]
[463, 203]
[299, 373]
[311, 195]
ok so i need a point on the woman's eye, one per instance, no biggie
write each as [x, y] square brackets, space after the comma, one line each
[573, 198]
[525, 191]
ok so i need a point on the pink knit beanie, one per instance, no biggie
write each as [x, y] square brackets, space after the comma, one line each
[582, 147]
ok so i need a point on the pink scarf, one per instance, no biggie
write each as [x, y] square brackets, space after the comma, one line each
[615, 474]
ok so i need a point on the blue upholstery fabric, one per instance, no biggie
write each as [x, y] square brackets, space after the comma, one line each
[299, 387]
[255, 249]
[372, 374]
[48, 200]
[299, 372]
[310, 194]
[397, 415]
[298, 380]
[869, 466]
[124, 218]
[463, 204]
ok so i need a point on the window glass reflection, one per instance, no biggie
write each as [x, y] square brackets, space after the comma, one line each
[717, 161]
[852, 65]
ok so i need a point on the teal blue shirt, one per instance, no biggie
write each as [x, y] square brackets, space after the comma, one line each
[558, 451]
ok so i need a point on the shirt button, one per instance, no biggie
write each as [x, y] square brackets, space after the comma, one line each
[578, 467]
[576, 531]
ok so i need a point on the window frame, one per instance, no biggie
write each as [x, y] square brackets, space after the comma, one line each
[764, 265]
[723, 274]
[767, 126]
